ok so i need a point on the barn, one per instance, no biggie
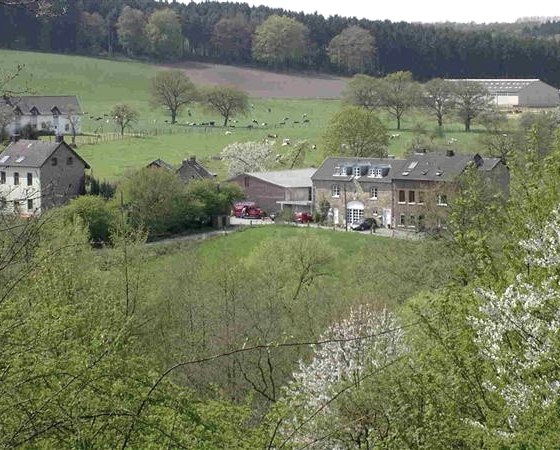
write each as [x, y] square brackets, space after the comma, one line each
[511, 92]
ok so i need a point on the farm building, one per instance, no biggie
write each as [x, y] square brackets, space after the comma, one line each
[520, 92]
[275, 191]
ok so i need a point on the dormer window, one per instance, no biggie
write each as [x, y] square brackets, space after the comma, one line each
[34, 111]
[337, 171]
[375, 172]
[17, 111]
[357, 171]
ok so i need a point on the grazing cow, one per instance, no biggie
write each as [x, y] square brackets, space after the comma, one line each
[282, 123]
[286, 119]
[313, 147]
[255, 121]
[296, 121]
[272, 136]
[304, 115]
[394, 136]
[212, 123]
[263, 124]
[305, 120]
[286, 142]
[228, 133]
[269, 110]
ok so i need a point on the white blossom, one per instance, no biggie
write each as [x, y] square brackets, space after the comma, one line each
[247, 157]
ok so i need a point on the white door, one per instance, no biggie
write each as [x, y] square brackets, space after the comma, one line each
[386, 217]
[335, 216]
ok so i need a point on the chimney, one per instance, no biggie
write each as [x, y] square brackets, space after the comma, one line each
[450, 153]
[59, 138]
[192, 159]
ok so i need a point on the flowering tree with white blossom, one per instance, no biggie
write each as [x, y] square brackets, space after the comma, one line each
[518, 330]
[241, 157]
[354, 350]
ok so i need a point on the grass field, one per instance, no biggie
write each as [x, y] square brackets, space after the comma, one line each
[100, 84]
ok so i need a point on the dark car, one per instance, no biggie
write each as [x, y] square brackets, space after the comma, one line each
[364, 224]
[303, 217]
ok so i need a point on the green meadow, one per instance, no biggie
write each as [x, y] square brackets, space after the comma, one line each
[100, 84]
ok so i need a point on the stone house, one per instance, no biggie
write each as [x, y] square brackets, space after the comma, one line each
[35, 175]
[278, 190]
[191, 169]
[425, 185]
[356, 188]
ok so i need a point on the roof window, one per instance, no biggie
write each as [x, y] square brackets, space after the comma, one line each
[4, 158]
[20, 159]
[412, 165]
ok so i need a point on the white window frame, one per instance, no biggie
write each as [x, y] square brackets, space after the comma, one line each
[357, 172]
[442, 200]
[373, 193]
[335, 190]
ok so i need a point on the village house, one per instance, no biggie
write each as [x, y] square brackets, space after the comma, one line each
[190, 169]
[46, 113]
[428, 181]
[35, 175]
[356, 188]
[278, 190]
[412, 193]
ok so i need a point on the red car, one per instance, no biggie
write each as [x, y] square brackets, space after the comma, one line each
[248, 210]
[303, 217]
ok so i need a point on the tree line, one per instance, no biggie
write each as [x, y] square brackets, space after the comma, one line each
[239, 34]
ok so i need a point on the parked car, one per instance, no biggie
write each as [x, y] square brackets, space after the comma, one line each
[364, 224]
[248, 210]
[303, 217]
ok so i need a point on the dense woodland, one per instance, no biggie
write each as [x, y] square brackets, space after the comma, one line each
[228, 32]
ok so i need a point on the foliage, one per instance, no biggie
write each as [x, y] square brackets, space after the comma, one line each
[216, 198]
[363, 90]
[399, 94]
[247, 157]
[356, 132]
[232, 37]
[279, 39]
[172, 90]
[471, 99]
[164, 34]
[353, 49]
[97, 214]
[124, 116]
[438, 98]
[228, 101]
[155, 200]
[131, 30]
[354, 350]
[92, 32]
[104, 189]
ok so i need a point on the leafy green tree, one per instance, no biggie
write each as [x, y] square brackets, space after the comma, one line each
[279, 39]
[228, 101]
[97, 214]
[124, 116]
[438, 98]
[356, 132]
[365, 91]
[164, 34]
[353, 49]
[400, 93]
[232, 38]
[471, 99]
[172, 90]
[92, 32]
[155, 200]
[131, 31]
[215, 198]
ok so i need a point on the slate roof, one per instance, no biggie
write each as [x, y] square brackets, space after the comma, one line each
[294, 178]
[199, 169]
[160, 163]
[435, 166]
[27, 153]
[495, 85]
[66, 104]
[327, 169]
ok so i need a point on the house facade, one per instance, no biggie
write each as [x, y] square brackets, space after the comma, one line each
[49, 114]
[511, 92]
[356, 188]
[411, 193]
[35, 175]
[278, 190]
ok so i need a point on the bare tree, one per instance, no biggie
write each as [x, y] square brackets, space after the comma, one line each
[438, 98]
[124, 116]
[172, 89]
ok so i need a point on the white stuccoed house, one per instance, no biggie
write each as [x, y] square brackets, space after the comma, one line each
[55, 114]
[35, 175]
